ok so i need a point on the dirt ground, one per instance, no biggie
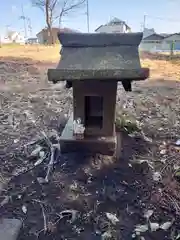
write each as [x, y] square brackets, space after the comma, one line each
[88, 196]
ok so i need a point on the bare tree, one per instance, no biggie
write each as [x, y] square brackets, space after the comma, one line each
[56, 9]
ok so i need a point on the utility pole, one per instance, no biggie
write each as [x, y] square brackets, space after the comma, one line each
[144, 22]
[29, 26]
[87, 5]
[24, 20]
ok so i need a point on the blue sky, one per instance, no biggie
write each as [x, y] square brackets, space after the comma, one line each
[101, 11]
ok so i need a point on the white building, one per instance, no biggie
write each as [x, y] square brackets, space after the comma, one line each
[114, 26]
[13, 37]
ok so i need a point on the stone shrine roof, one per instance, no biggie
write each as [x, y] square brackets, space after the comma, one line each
[99, 56]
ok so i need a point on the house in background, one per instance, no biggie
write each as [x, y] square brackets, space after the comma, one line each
[13, 37]
[169, 39]
[160, 42]
[151, 42]
[32, 41]
[44, 37]
[147, 32]
[114, 26]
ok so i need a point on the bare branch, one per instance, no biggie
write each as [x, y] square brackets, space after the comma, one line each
[56, 9]
[53, 5]
[39, 3]
[69, 6]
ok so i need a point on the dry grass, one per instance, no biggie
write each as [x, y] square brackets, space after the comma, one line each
[162, 69]
[159, 68]
[97, 185]
[161, 65]
[35, 52]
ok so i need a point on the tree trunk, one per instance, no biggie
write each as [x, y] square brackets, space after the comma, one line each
[50, 35]
[49, 23]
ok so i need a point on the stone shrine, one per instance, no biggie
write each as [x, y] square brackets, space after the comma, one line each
[93, 64]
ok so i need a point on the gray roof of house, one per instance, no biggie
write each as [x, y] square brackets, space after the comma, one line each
[111, 55]
[153, 37]
[114, 21]
[172, 34]
[165, 35]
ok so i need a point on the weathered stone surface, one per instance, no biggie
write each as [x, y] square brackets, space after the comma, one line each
[9, 229]
[107, 90]
[102, 145]
[99, 56]
[56, 75]
[1, 187]
[99, 40]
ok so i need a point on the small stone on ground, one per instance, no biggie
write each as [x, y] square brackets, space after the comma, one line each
[9, 229]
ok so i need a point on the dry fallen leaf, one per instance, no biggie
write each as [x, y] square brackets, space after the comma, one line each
[141, 228]
[166, 225]
[24, 209]
[106, 235]
[112, 218]
[147, 139]
[148, 214]
[133, 235]
[36, 151]
[41, 154]
[157, 176]
[16, 140]
[178, 236]
[163, 151]
[41, 158]
[39, 161]
[178, 142]
[154, 226]
[71, 214]
[176, 167]
[142, 238]
[5, 201]
[41, 180]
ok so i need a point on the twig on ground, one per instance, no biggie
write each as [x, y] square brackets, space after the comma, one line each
[40, 131]
[46, 139]
[44, 215]
[4, 201]
[168, 163]
[50, 164]
[44, 218]
[49, 143]
[51, 146]
[28, 170]
[174, 203]
[31, 143]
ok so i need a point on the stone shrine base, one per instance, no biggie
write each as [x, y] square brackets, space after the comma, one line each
[9, 229]
[102, 145]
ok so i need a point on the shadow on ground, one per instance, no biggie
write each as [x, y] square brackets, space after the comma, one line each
[91, 185]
